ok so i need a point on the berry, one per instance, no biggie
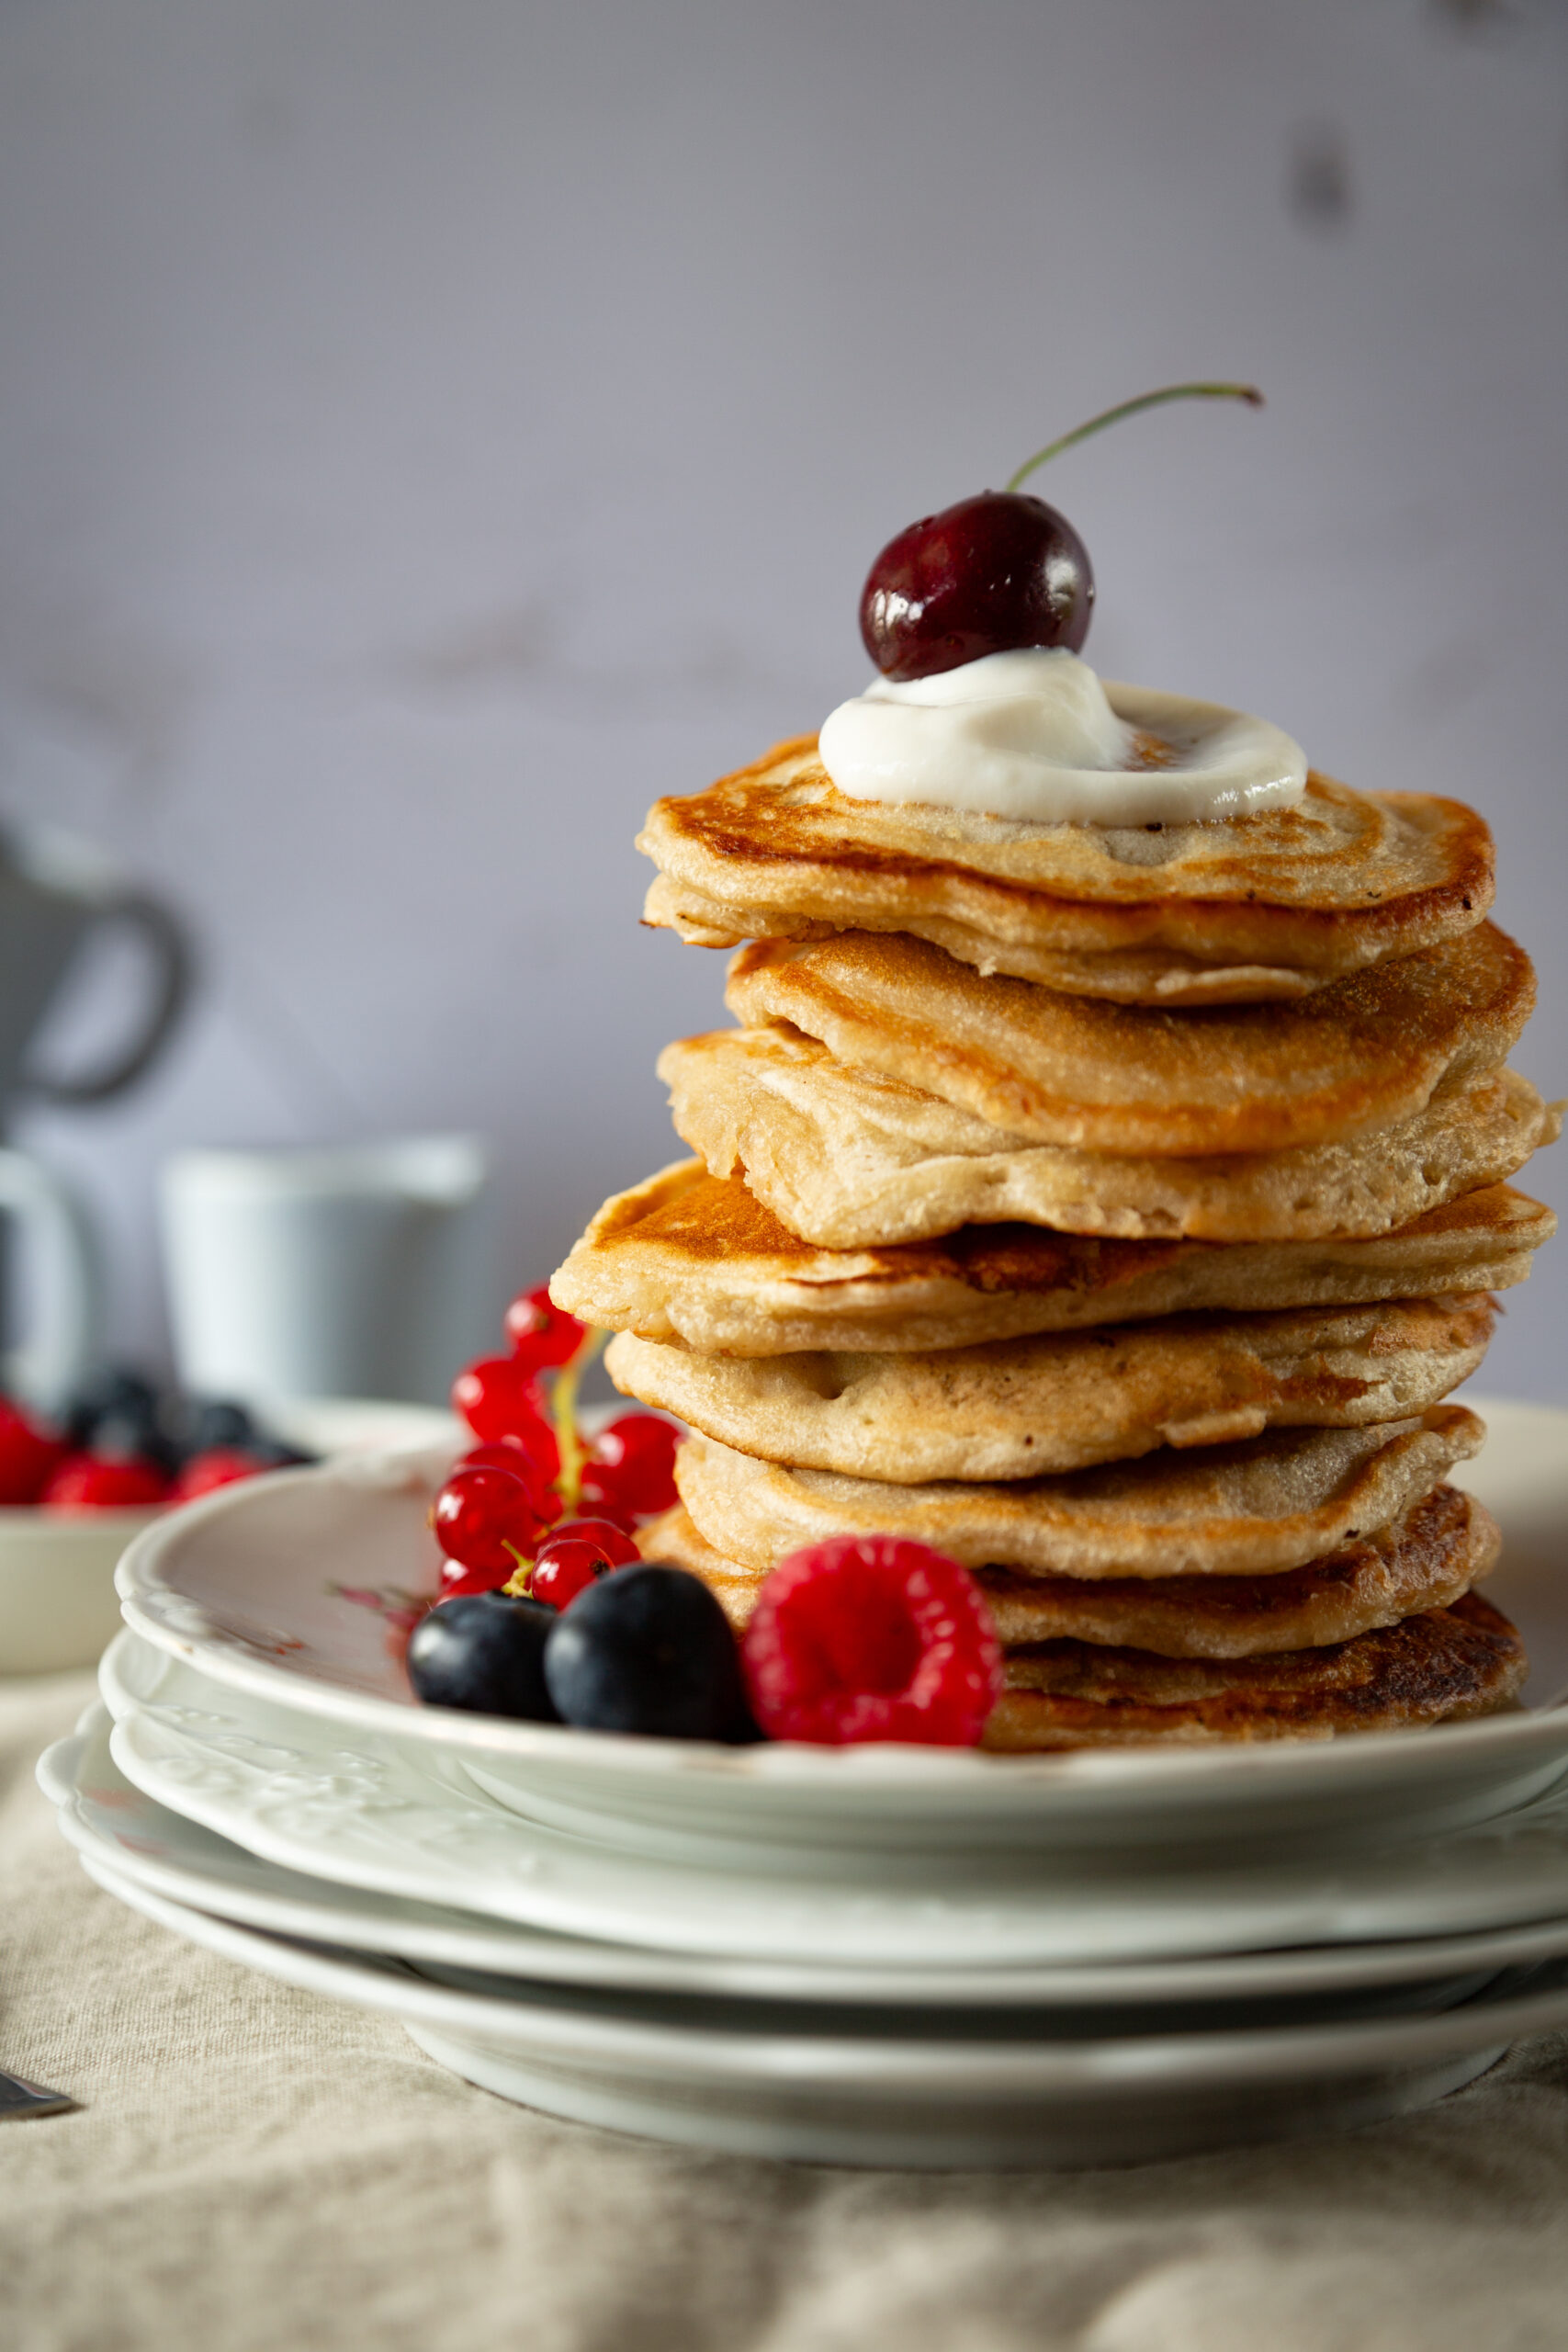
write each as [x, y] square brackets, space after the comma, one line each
[868, 1637]
[485, 1520]
[632, 1466]
[220, 1421]
[514, 1457]
[483, 1651]
[648, 1649]
[29, 1455]
[215, 1467]
[992, 573]
[576, 1555]
[113, 1395]
[499, 1399]
[542, 1336]
[90, 1482]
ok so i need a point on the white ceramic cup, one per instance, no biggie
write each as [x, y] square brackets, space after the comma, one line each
[368, 1271]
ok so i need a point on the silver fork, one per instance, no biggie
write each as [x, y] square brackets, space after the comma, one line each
[17, 2097]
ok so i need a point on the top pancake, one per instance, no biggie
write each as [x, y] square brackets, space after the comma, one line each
[1365, 1051]
[697, 1259]
[1251, 907]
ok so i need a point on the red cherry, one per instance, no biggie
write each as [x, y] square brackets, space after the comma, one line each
[484, 1517]
[990, 575]
[632, 1466]
[88, 1482]
[498, 1399]
[216, 1465]
[542, 1335]
[872, 1638]
[29, 1455]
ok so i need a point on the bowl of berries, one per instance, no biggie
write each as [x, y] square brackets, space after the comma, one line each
[77, 1488]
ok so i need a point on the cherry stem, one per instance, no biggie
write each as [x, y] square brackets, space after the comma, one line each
[563, 1414]
[1247, 392]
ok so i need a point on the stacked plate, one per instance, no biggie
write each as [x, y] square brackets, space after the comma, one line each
[873, 1955]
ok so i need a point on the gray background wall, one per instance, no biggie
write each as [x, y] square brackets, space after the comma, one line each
[429, 432]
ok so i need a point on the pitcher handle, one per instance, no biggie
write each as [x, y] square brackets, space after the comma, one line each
[63, 1281]
[171, 988]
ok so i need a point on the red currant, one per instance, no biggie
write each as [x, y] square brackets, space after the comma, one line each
[484, 1517]
[560, 1574]
[456, 1579]
[498, 1399]
[29, 1455]
[609, 1538]
[542, 1336]
[632, 1468]
[215, 1467]
[88, 1482]
[512, 1455]
[868, 1637]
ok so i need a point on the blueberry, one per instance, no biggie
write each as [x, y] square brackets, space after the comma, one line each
[484, 1651]
[648, 1649]
[117, 1395]
[218, 1420]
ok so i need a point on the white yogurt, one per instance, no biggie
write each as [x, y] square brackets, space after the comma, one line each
[1033, 735]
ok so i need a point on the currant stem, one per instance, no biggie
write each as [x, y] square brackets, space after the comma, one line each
[1247, 392]
[517, 1582]
[563, 1415]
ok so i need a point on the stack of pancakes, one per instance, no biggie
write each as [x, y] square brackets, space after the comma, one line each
[1110, 1208]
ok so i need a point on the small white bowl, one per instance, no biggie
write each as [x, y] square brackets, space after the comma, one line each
[58, 1604]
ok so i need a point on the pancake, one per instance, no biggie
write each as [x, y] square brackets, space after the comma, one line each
[695, 1259]
[1020, 1408]
[1362, 1053]
[1257, 1509]
[1266, 906]
[851, 1159]
[1425, 1560]
[1443, 1666]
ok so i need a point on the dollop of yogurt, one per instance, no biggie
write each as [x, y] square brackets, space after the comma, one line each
[1035, 736]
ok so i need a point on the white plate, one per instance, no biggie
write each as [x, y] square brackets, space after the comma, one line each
[883, 2100]
[110, 1821]
[289, 1591]
[405, 1820]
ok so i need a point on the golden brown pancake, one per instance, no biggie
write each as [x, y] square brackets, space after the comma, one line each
[697, 1261]
[852, 1160]
[1257, 1508]
[1443, 1666]
[1425, 1560]
[1272, 905]
[1359, 1053]
[1020, 1408]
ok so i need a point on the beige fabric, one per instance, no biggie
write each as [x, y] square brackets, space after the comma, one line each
[257, 2170]
[1019, 1408]
[1266, 906]
[852, 1160]
[1105, 1077]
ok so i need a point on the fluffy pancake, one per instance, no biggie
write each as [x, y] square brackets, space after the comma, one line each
[1252, 1510]
[696, 1260]
[1425, 1560]
[1439, 1667]
[1020, 1408]
[851, 1159]
[1272, 905]
[1367, 1050]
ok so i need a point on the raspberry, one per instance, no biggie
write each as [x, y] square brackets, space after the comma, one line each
[88, 1482]
[542, 1336]
[214, 1466]
[27, 1455]
[867, 1637]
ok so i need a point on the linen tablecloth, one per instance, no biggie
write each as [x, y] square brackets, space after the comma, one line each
[254, 2168]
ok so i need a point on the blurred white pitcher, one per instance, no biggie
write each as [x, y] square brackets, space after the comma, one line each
[368, 1271]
